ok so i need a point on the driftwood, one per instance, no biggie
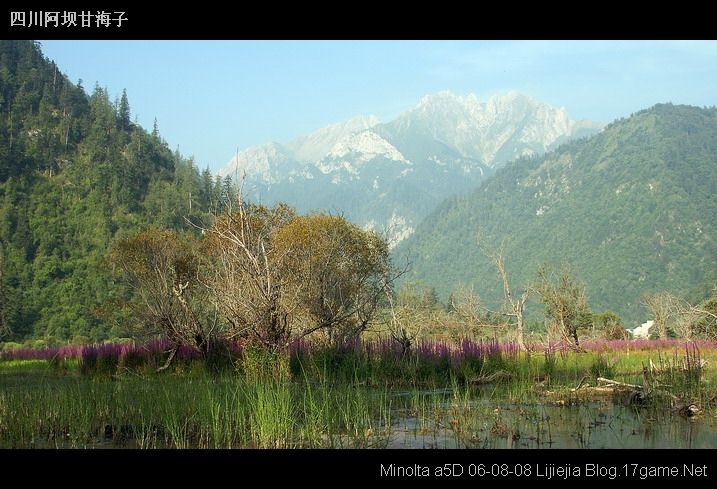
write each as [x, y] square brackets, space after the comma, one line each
[615, 384]
[627, 393]
[495, 376]
[637, 395]
[633, 394]
[169, 360]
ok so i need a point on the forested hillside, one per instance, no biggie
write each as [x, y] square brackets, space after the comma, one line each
[631, 210]
[76, 173]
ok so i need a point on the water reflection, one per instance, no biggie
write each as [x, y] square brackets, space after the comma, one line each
[489, 423]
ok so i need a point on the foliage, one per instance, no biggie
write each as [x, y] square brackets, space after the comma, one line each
[340, 273]
[609, 326]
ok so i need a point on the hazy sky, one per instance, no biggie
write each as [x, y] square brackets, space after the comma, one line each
[210, 97]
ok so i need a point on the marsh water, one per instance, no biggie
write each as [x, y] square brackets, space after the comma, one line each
[495, 423]
[170, 412]
[593, 425]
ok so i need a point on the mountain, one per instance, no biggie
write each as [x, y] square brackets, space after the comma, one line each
[631, 210]
[315, 145]
[502, 129]
[388, 177]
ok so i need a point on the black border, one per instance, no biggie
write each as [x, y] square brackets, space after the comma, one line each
[236, 467]
[377, 20]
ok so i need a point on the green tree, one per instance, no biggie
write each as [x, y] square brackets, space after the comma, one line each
[74, 179]
[161, 269]
[123, 112]
[155, 130]
[4, 324]
[609, 325]
[565, 301]
[339, 271]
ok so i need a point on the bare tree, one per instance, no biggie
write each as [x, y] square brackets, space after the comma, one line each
[397, 328]
[513, 304]
[467, 308]
[685, 320]
[706, 325]
[664, 308]
[674, 314]
[695, 320]
[476, 320]
[251, 292]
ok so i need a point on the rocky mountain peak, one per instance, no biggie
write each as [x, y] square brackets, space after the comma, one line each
[391, 175]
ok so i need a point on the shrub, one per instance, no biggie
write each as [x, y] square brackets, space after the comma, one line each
[601, 367]
[10, 346]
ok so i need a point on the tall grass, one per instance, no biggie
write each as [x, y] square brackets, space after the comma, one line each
[180, 411]
[348, 395]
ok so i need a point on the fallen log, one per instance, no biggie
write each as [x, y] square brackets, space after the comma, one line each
[616, 384]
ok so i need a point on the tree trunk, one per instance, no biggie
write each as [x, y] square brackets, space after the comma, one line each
[169, 360]
[520, 322]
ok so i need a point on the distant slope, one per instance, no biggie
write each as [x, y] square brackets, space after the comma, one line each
[389, 176]
[632, 209]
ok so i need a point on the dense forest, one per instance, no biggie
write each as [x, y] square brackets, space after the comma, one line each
[632, 210]
[76, 175]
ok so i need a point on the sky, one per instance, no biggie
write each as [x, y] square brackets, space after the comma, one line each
[211, 98]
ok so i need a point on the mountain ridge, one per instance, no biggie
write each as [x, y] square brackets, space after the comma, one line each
[364, 160]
